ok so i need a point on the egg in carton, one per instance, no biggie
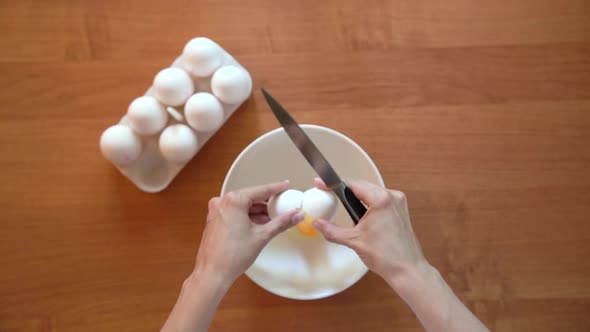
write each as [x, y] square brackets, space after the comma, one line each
[186, 105]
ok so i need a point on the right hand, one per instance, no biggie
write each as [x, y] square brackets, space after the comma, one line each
[383, 238]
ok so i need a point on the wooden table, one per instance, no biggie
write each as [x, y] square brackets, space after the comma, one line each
[479, 111]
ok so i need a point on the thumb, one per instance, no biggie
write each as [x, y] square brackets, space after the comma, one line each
[337, 234]
[281, 223]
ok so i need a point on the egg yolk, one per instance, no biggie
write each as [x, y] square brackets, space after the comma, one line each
[305, 226]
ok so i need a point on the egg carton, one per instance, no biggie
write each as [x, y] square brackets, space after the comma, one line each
[164, 129]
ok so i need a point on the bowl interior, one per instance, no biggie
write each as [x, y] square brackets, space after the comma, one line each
[292, 265]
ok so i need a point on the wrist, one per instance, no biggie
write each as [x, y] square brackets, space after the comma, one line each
[412, 279]
[206, 281]
[199, 297]
[213, 273]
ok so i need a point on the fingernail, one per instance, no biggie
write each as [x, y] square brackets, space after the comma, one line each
[297, 217]
[316, 224]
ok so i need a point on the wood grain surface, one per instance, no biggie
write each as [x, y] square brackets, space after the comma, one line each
[478, 110]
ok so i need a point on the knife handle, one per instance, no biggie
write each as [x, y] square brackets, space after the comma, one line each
[355, 208]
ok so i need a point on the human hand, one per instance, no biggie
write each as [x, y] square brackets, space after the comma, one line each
[238, 227]
[383, 238]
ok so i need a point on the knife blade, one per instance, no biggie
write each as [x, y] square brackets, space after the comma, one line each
[355, 208]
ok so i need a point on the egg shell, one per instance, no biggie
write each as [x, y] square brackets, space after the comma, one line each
[284, 202]
[231, 84]
[146, 115]
[120, 145]
[319, 203]
[178, 143]
[201, 57]
[204, 112]
[173, 86]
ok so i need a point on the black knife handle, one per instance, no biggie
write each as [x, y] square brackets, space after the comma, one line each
[355, 208]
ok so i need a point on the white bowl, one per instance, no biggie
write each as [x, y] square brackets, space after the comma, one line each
[292, 265]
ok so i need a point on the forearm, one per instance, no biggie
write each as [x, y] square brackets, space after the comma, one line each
[196, 305]
[433, 302]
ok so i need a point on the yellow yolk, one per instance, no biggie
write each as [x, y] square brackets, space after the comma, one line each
[305, 226]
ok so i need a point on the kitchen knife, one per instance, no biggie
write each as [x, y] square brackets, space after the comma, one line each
[318, 162]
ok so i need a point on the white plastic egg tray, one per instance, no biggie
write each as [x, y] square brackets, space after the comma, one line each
[155, 140]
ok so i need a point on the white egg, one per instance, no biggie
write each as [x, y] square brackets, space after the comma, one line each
[201, 56]
[120, 145]
[319, 203]
[231, 84]
[284, 202]
[314, 202]
[173, 86]
[178, 143]
[146, 115]
[204, 112]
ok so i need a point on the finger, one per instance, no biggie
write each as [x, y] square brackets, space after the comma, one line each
[368, 192]
[213, 203]
[264, 192]
[258, 208]
[399, 197]
[337, 234]
[259, 219]
[213, 207]
[319, 183]
[282, 223]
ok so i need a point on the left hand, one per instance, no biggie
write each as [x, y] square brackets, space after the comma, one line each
[238, 227]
